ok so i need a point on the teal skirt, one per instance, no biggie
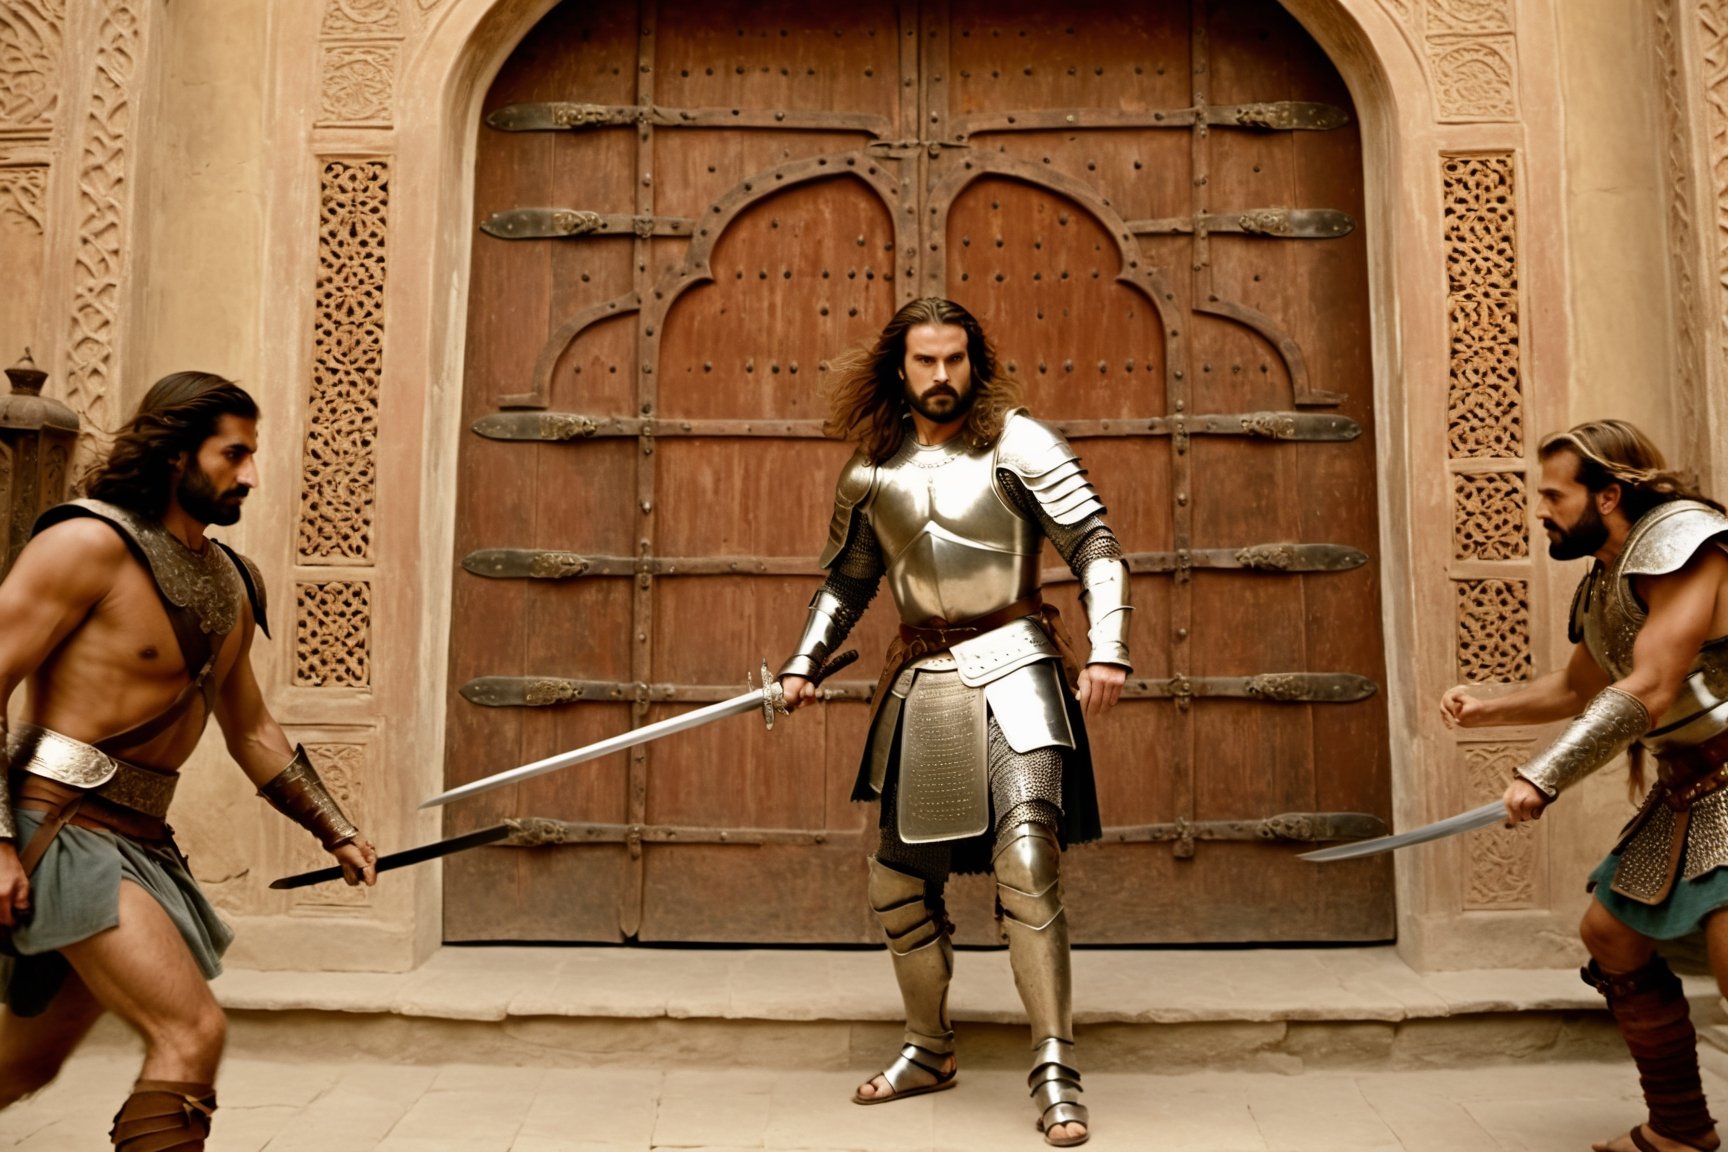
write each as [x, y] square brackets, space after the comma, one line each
[1689, 904]
[75, 893]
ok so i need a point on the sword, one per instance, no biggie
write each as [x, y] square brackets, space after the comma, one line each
[403, 859]
[1491, 813]
[768, 698]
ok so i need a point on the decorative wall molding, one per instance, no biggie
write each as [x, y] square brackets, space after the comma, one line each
[103, 219]
[1473, 79]
[21, 192]
[1469, 17]
[357, 85]
[339, 464]
[1502, 863]
[362, 17]
[1711, 33]
[31, 35]
[1490, 516]
[333, 634]
[1691, 373]
[1493, 630]
[1485, 403]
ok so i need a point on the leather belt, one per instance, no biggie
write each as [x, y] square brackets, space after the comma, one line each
[1690, 774]
[120, 797]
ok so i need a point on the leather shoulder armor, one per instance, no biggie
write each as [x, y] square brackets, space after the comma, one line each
[207, 584]
[254, 581]
[851, 497]
[1048, 467]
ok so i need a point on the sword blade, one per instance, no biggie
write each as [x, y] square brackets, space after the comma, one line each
[404, 858]
[750, 701]
[1491, 813]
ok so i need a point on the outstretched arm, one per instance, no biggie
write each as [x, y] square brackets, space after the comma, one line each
[1555, 696]
[261, 748]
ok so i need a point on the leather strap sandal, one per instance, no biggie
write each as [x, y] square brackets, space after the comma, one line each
[915, 1071]
[1055, 1085]
[1642, 1143]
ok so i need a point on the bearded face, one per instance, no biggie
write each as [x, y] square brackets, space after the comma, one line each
[205, 502]
[1583, 537]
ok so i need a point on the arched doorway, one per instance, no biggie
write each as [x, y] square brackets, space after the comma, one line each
[686, 208]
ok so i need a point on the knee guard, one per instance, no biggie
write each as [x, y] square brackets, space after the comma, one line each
[1028, 876]
[164, 1116]
[916, 928]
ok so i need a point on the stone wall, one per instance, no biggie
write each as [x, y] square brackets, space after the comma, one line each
[282, 193]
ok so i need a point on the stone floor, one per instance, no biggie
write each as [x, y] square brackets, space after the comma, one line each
[337, 1105]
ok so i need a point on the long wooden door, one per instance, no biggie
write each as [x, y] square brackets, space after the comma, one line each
[684, 210]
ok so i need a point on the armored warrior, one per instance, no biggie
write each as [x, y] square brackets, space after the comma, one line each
[977, 747]
[1648, 676]
[130, 627]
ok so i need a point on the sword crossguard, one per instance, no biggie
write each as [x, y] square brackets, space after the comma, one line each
[773, 696]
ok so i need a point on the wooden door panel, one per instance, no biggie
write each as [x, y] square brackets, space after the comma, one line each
[1045, 166]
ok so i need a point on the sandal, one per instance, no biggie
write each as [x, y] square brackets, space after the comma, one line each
[1055, 1085]
[915, 1071]
[1643, 1145]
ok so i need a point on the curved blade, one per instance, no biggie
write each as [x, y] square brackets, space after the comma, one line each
[1491, 813]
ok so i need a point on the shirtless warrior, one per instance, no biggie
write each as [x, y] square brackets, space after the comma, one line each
[129, 627]
[1648, 676]
[977, 749]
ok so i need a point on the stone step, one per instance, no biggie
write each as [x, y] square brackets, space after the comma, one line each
[1142, 1010]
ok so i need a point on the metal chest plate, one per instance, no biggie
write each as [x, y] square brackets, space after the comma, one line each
[955, 550]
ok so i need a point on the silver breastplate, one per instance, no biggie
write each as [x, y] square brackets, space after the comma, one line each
[1607, 617]
[954, 548]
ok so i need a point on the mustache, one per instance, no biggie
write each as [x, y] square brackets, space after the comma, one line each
[942, 390]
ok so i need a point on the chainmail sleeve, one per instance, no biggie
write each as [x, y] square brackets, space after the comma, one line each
[835, 609]
[1091, 551]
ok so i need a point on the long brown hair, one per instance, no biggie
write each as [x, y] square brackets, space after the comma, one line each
[1617, 452]
[867, 402]
[176, 416]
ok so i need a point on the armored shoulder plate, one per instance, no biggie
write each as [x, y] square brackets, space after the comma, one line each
[851, 496]
[254, 581]
[1668, 536]
[1043, 461]
[206, 583]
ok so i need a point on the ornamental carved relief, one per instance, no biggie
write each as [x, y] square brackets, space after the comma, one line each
[1713, 53]
[1485, 404]
[358, 83]
[1493, 631]
[1473, 79]
[1502, 862]
[342, 767]
[1490, 517]
[102, 220]
[30, 45]
[1683, 225]
[333, 634]
[21, 191]
[339, 463]
[362, 17]
[1469, 17]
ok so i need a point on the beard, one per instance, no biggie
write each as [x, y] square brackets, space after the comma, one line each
[1585, 536]
[198, 496]
[942, 404]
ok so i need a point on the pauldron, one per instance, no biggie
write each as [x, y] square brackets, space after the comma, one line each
[1609, 725]
[300, 795]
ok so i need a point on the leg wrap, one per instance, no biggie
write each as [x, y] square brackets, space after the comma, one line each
[164, 1116]
[1650, 1008]
[916, 928]
[1028, 887]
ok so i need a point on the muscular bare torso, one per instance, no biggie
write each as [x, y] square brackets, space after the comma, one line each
[120, 665]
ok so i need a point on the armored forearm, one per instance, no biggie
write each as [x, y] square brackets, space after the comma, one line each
[838, 604]
[1104, 591]
[300, 795]
[1608, 726]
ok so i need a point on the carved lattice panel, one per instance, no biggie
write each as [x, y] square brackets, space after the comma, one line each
[339, 463]
[1501, 868]
[1485, 403]
[1490, 517]
[1493, 630]
[333, 634]
[342, 767]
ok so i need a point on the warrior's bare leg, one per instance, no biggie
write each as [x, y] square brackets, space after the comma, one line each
[1653, 1016]
[141, 971]
[33, 1048]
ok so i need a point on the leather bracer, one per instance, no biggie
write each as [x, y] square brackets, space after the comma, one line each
[1104, 591]
[1609, 725]
[298, 794]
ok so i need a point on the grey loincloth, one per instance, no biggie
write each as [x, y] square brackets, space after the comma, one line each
[75, 893]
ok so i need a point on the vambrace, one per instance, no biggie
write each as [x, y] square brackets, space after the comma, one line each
[1104, 591]
[824, 628]
[298, 794]
[1609, 725]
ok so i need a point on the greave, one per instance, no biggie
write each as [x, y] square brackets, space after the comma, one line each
[1650, 1008]
[1029, 890]
[164, 1116]
[916, 929]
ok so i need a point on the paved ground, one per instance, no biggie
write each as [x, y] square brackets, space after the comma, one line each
[355, 1107]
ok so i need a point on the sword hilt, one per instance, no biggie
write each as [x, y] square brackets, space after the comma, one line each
[774, 697]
